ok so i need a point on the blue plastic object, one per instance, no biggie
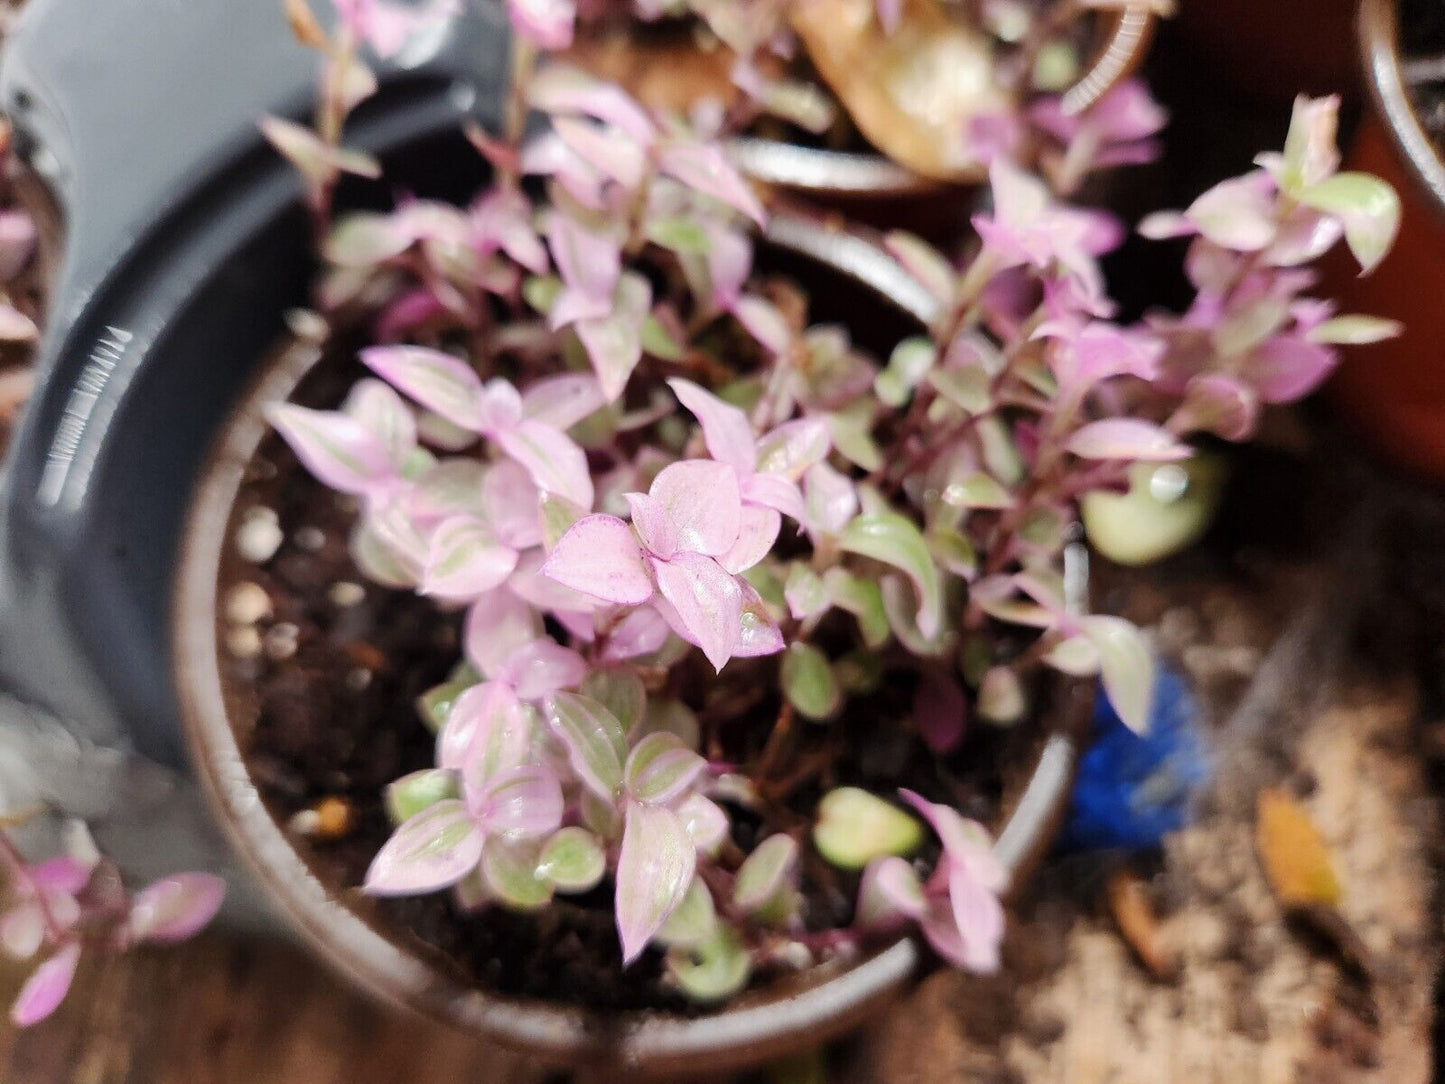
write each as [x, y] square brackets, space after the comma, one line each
[1132, 789]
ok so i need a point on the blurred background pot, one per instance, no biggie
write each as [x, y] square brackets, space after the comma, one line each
[787, 1014]
[1393, 393]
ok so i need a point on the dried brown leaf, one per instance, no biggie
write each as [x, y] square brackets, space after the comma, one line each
[1129, 904]
[1293, 853]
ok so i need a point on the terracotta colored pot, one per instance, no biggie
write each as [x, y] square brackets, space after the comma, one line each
[1273, 49]
[792, 1014]
[1393, 393]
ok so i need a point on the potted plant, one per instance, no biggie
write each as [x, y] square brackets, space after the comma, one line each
[728, 635]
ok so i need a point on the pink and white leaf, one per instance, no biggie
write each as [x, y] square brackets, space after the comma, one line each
[485, 733]
[46, 987]
[465, 560]
[1127, 665]
[889, 888]
[707, 603]
[654, 870]
[441, 383]
[704, 168]
[764, 872]
[610, 151]
[433, 850]
[777, 492]
[661, 769]
[561, 89]
[339, 450]
[1126, 438]
[642, 632]
[564, 400]
[725, 429]
[704, 821]
[381, 411]
[759, 633]
[599, 556]
[702, 501]
[547, 24]
[497, 624]
[543, 667]
[762, 320]
[552, 458]
[756, 535]
[595, 742]
[511, 501]
[590, 264]
[175, 907]
[793, 447]
[525, 803]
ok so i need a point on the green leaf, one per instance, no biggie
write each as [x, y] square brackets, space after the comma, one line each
[659, 342]
[864, 600]
[1127, 665]
[1167, 508]
[1367, 206]
[895, 541]
[1355, 330]
[908, 365]
[661, 768]
[435, 704]
[677, 235]
[558, 515]
[764, 872]
[808, 682]
[573, 860]
[854, 827]
[1074, 655]
[510, 871]
[620, 692]
[412, 793]
[672, 717]
[540, 292]
[966, 388]
[596, 743]
[714, 970]
[978, 490]
[859, 672]
[852, 436]
[953, 550]
[694, 922]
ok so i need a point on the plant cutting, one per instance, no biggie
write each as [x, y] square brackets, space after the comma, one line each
[724, 623]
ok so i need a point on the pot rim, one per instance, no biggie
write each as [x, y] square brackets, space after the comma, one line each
[1379, 32]
[760, 1024]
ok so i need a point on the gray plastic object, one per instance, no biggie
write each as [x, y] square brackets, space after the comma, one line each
[184, 243]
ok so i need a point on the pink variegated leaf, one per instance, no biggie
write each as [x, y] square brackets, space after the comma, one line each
[889, 888]
[175, 907]
[896, 541]
[600, 557]
[552, 458]
[764, 872]
[524, 803]
[614, 346]
[589, 263]
[1127, 666]
[1216, 403]
[564, 400]
[977, 927]
[376, 406]
[595, 741]
[17, 241]
[725, 429]
[543, 667]
[438, 381]
[923, 262]
[729, 262]
[560, 88]
[704, 821]
[339, 450]
[762, 320]
[610, 151]
[497, 624]
[759, 633]
[661, 769]
[15, 326]
[1126, 438]
[966, 843]
[1237, 214]
[485, 733]
[706, 600]
[63, 874]
[1288, 367]
[831, 502]
[318, 162]
[641, 632]
[701, 500]
[453, 487]
[547, 24]
[793, 447]
[1367, 207]
[757, 532]
[46, 987]
[774, 491]
[499, 407]
[433, 850]
[465, 560]
[512, 504]
[502, 218]
[654, 870]
[704, 168]
[652, 524]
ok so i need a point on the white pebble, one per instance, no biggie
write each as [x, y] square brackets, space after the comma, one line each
[244, 642]
[247, 603]
[259, 536]
[281, 641]
[346, 594]
[310, 539]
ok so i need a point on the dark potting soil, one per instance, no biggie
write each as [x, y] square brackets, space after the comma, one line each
[1422, 47]
[323, 675]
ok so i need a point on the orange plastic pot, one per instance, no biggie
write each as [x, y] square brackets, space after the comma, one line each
[1393, 393]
